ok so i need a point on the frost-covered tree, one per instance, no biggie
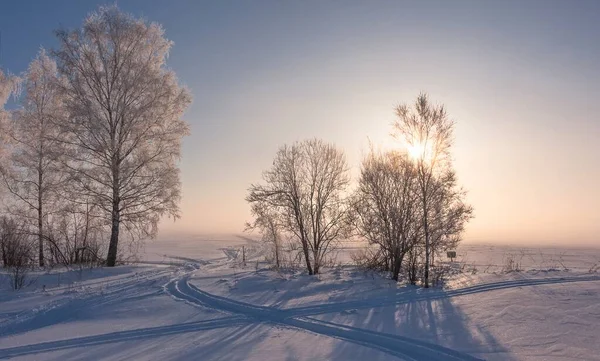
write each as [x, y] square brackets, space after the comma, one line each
[266, 221]
[33, 175]
[77, 233]
[449, 214]
[9, 85]
[386, 207]
[124, 122]
[17, 251]
[305, 190]
[427, 132]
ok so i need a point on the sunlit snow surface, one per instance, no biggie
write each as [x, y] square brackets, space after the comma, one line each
[193, 299]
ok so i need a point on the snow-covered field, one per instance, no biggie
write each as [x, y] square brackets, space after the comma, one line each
[193, 299]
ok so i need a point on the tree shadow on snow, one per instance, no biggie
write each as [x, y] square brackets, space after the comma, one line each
[84, 307]
[122, 336]
[430, 321]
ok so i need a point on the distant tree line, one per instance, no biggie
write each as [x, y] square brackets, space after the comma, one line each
[407, 203]
[89, 157]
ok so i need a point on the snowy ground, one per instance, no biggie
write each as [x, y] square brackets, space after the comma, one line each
[194, 300]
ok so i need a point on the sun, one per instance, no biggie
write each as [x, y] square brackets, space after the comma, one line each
[418, 150]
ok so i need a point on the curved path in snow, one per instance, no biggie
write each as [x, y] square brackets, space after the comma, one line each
[403, 347]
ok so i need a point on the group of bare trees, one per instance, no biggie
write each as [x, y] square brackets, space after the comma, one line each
[90, 153]
[304, 197]
[406, 204]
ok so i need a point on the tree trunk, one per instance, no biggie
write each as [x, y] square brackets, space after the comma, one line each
[40, 221]
[316, 262]
[397, 266]
[307, 257]
[4, 255]
[426, 231]
[277, 252]
[111, 258]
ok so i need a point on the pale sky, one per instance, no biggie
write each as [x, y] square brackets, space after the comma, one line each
[520, 78]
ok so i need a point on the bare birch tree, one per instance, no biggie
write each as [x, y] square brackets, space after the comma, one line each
[33, 176]
[427, 132]
[305, 190]
[9, 85]
[124, 125]
[266, 221]
[386, 206]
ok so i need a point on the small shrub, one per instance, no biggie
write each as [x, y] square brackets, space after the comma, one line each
[473, 269]
[440, 274]
[17, 252]
[367, 259]
[412, 267]
[512, 263]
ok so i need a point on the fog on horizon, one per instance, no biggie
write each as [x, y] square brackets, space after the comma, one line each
[521, 80]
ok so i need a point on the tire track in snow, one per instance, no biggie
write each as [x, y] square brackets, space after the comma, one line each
[121, 336]
[399, 346]
[432, 295]
[85, 296]
[182, 292]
